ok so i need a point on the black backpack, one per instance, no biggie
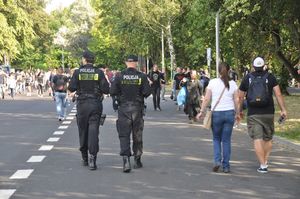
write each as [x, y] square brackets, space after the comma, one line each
[60, 84]
[258, 94]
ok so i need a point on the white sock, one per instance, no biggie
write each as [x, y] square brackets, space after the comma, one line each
[263, 166]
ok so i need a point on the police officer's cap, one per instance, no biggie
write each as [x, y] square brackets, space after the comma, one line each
[89, 56]
[132, 58]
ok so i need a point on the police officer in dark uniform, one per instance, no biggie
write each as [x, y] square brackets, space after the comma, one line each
[90, 84]
[131, 87]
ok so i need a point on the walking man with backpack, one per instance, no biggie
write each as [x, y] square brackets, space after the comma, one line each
[60, 82]
[258, 87]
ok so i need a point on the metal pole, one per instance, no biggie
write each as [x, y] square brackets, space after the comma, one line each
[147, 59]
[217, 43]
[62, 59]
[163, 67]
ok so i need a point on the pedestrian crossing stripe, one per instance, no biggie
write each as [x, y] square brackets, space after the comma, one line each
[6, 193]
[46, 148]
[53, 139]
[67, 122]
[21, 174]
[36, 158]
[62, 127]
[58, 132]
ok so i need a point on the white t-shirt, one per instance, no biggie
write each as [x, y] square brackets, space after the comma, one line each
[227, 101]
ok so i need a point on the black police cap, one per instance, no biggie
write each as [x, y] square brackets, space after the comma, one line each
[88, 55]
[132, 58]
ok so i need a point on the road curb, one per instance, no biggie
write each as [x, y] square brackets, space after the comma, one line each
[280, 140]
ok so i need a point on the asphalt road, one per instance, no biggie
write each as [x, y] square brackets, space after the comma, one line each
[177, 160]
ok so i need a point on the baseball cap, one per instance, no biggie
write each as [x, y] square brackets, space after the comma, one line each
[132, 58]
[258, 62]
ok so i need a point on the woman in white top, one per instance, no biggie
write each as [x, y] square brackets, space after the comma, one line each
[224, 115]
[12, 84]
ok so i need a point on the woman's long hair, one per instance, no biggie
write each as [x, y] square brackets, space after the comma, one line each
[224, 73]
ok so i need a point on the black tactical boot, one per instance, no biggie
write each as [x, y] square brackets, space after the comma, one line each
[84, 156]
[137, 162]
[126, 164]
[92, 162]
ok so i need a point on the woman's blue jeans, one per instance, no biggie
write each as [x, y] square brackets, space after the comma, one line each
[222, 124]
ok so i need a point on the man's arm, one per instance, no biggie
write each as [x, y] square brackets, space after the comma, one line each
[104, 84]
[241, 97]
[146, 87]
[73, 83]
[280, 101]
[237, 105]
[115, 87]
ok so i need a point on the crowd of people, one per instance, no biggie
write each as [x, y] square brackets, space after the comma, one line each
[27, 82]
[196, 94]
[192, 90]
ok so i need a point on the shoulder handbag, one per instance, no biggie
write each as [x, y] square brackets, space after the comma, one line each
[207, 118]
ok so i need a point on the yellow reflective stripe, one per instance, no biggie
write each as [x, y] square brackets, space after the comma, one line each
[91, 77]
[96, 77]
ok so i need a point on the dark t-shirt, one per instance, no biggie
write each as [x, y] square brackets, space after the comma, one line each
[178, 77]
[272, 82]
[187, 75]
[155, 77]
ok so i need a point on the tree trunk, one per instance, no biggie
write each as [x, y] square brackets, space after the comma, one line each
[171, 47]
[285, 61]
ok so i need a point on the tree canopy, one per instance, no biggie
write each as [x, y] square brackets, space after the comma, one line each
[113, 29]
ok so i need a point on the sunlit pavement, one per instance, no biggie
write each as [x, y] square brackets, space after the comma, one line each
[39, 159]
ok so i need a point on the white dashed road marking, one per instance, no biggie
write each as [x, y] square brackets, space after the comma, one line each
[21, 174]
[58, 132]
[62, 127]
[6, 193]
[46, 148]
[66, 122]
[36, 158]
[25, 173]
[53, 139]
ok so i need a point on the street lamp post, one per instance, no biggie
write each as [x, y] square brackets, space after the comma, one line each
[62, 59]
[217, 42]
[163, 68]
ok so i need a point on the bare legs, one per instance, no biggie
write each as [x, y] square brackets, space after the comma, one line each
[262, 150]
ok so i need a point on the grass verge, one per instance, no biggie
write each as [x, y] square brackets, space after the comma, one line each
[290, 129]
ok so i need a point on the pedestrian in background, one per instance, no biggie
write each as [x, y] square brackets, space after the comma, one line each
[194, 96]
[90, 85]
[40, 81]
[258, 87]
[131, 87]
[12, 84]
[176, 82]
[155, 78]
[3, 81]
[59, 83]
[223, 93]
[163, 85]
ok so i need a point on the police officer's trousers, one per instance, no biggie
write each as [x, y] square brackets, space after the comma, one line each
[88, 120]
[130, 120]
